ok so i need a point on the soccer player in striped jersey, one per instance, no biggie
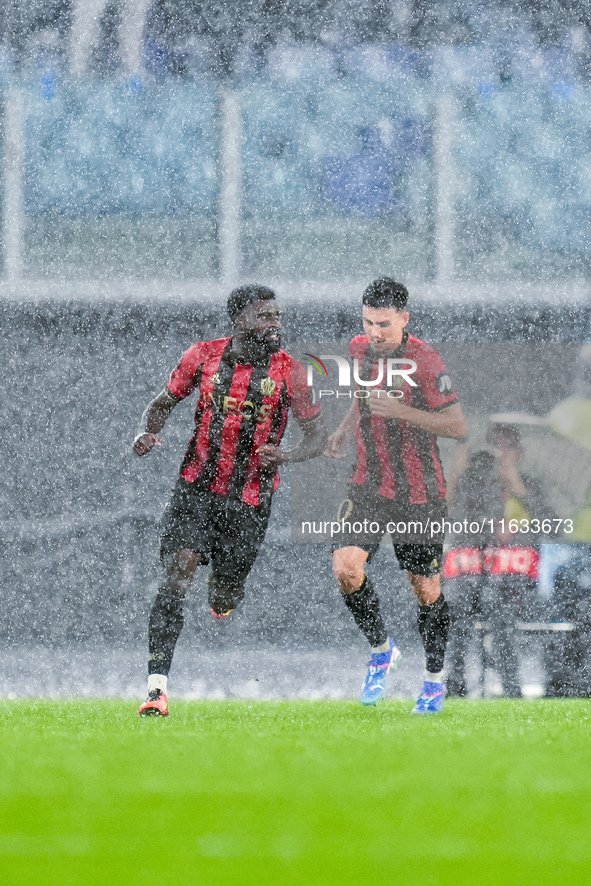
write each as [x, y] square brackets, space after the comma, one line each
[221, 503]
[398, 479]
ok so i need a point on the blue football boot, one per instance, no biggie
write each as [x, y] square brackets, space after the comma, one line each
[430, 701]
[378, 668]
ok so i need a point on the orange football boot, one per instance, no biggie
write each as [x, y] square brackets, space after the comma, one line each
[156, 705]
[220, 615]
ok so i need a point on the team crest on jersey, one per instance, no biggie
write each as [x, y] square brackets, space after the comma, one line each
[216, 378]
[268, 386]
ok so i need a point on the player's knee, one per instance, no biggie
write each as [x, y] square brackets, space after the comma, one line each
[186, 561]
[347, 572]
[180, 569]
[427, 589]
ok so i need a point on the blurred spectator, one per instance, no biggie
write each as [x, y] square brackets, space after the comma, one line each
[566, 655]
[567, 568]
[492, 575]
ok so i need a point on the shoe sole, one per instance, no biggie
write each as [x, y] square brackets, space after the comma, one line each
[416, 710]
[153, 712]
[219, 616]
[374, 701]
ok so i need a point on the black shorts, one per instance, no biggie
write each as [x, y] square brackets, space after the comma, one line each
[225, 531]
[367, 517]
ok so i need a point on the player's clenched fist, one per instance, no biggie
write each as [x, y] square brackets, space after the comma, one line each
[144, 443]
[272, 456]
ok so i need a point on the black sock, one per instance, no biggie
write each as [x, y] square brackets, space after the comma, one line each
[166, 623]
[433, 622]
[365, 609]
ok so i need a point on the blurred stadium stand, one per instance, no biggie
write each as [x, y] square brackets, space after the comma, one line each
[121, 136]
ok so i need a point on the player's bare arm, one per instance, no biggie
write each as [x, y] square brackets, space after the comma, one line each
[152, 422]
[508, 473]
[448, 422]
[459, 467]
[311, 445]
[338, 439]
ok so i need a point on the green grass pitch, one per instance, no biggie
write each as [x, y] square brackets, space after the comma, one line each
[295, 792]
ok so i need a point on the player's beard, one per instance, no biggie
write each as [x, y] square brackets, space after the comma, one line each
[261, 345]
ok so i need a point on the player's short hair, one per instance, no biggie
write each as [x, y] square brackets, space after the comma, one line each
[243, 296]
[385, 293]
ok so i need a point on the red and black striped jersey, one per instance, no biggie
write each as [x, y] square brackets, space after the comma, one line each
[240, 408]
[397, 459]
